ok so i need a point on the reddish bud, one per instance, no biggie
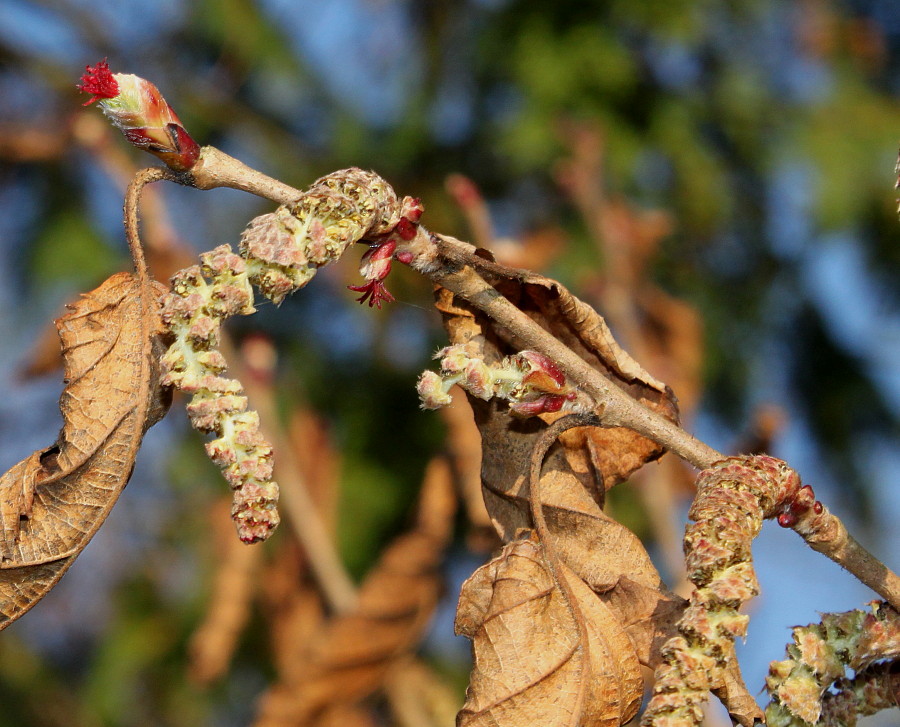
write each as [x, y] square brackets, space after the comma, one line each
[818, 507]
[405, 257]
[553, 403]
[412, 208]
[787, 519]
[406, 229]
[139, 110]
[548, 403]
[375, 267]
[556, 379]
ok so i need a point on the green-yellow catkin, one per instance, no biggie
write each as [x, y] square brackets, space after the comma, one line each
[810, 688]
[733, 498]
[279, 253]
[530, 381]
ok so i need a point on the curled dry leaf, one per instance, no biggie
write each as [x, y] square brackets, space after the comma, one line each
[52, 502]
[546, 653]
[579, 467]
[349, 657]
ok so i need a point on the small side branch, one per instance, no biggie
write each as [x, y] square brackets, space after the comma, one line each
[132, 199]
[215, 169]
[454, 265]
[824, 532]
[619, 409]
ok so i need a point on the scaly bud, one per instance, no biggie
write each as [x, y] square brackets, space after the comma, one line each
[141, 113]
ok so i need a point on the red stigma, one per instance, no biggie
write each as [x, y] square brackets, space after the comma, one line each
[373, 291]
[99, 82]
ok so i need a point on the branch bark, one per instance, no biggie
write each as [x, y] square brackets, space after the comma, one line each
[455, 265]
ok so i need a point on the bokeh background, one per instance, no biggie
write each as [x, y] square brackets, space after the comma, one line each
[755, 139]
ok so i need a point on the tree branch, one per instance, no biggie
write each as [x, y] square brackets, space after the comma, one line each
[618, 408]
[454, 265]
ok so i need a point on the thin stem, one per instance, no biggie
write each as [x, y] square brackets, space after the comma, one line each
[825, 533]
[132, 197]
[553, 561]
[538, 453]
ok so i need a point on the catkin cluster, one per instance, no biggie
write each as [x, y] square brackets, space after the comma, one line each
[809, 687]
[279, 253]
[733, 498]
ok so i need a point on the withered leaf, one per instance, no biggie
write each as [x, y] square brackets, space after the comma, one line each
[648, 615]
[612, 453]
[545, 653]
[52, 502]
[599, 549]
[348, 658]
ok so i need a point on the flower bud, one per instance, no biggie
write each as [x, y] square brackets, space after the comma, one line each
[141, 113]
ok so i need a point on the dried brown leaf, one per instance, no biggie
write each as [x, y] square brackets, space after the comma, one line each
[597, 548]
[52, 502]
[648, 615]
[545, 652]
[348, 658]
[607, 455]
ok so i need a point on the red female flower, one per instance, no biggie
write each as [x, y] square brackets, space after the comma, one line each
[99, 82]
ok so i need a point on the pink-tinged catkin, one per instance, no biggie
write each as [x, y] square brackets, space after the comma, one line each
[530, 381]
[279, 253]
[733, 497]
[810, 688]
